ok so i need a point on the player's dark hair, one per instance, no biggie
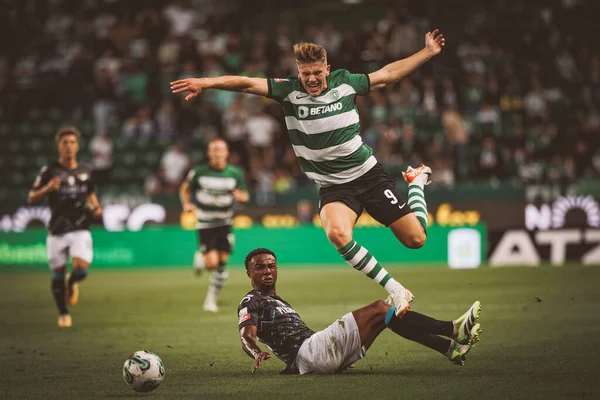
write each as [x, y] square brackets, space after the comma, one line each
[255, 252]
[67, 130]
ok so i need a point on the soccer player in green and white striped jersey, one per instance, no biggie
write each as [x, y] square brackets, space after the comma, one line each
[209, 191]
[324, 128]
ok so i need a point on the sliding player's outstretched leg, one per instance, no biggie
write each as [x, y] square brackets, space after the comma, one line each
[430, 332]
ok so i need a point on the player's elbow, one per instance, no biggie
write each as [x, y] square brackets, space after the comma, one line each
[384, 78]
[246, 84]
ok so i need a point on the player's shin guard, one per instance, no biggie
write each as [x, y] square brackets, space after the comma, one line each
[77, 276]
[416, 201]
[411, 331]
[58, 291]
[361, 260]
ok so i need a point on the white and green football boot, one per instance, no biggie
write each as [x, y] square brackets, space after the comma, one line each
[457, 353]
[463, 326]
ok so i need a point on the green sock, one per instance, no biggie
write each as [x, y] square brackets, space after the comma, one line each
[360, 259]
[416, 201]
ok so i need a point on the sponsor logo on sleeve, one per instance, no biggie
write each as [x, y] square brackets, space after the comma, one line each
[243, 318]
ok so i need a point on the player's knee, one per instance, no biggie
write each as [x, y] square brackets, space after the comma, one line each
[339, 237]
[80, 265]
[380, 307]
[417, 240]
[211, 260]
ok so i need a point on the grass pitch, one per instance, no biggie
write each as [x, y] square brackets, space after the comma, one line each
[541, 336]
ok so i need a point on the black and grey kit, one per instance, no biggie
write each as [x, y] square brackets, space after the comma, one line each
[68, 205]
[279, 326]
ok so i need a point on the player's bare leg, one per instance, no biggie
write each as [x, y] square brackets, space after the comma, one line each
[370, 321]
[409, 231]
[59, 294]
[338, 221]
[79, 273]
[211, 259]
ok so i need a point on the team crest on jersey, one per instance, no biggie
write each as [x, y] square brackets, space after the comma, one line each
[83, 176]
[71, 180]
[335, 94]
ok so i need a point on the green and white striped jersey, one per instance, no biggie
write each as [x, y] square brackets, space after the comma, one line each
[211, 191]
[325, 130]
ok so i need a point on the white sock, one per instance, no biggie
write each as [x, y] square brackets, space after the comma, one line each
[198, 260]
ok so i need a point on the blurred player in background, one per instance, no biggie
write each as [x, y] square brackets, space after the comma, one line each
[209, 191]
[70, 191]
[266, 316]
[324, 128]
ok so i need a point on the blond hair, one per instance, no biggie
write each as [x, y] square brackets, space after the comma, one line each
[309, 52]
[67, 130]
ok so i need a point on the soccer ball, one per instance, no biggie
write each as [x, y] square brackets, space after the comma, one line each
[143, 371]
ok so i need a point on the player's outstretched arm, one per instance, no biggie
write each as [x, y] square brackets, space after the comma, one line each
[248, 338]
[195, 86]
[397, 70]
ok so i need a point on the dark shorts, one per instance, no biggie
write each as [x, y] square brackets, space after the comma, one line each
[219, 238]
[374, 192]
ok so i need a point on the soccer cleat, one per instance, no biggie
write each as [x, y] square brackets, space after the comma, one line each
[412, 173]
[457, 354]
[465, 324]
[210, 304]
[401, 300]
[65, 321]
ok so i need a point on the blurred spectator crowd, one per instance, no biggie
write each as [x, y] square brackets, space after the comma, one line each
[515, 94]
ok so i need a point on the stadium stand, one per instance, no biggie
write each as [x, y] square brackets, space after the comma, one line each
[523, 109]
